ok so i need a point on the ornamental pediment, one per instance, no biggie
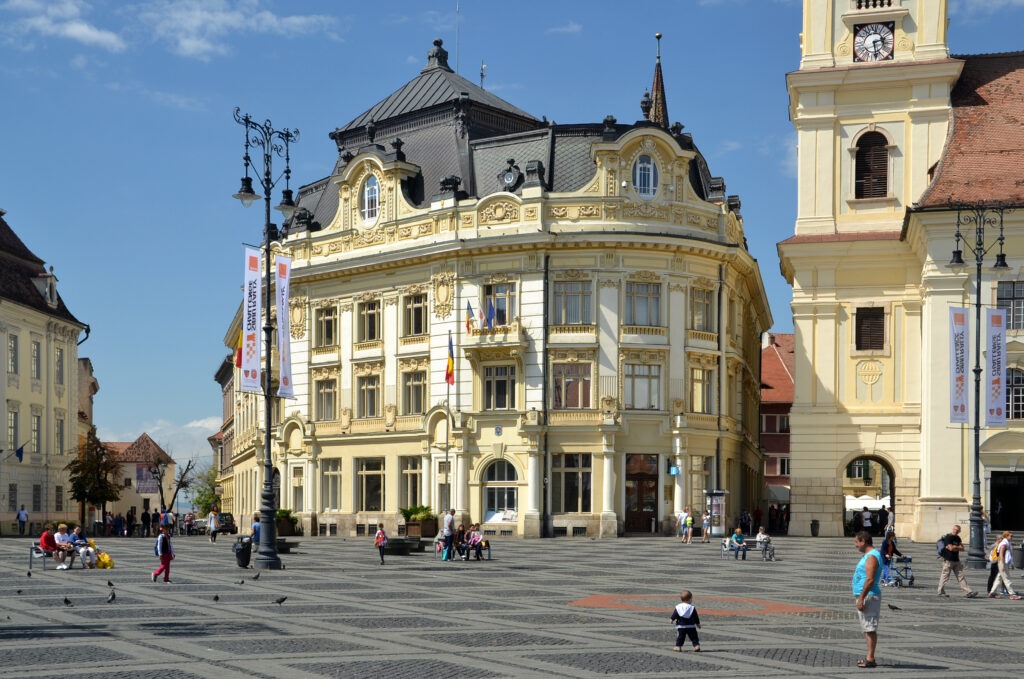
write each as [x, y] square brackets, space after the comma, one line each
[499, 211]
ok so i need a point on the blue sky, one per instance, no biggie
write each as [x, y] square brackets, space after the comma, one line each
[119, 153]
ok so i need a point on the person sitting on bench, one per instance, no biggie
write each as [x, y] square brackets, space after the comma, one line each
[81, 545]
[48, 543]
[63, 545]
[764, 543]
[475, 542]
[737, 544]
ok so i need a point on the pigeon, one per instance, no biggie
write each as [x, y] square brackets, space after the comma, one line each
[256, 577]
[216, 597]
[110, 599]
[19, 591]
[894, 608]
[240, 582]
[29, 574]
[280, 600]
[109, 583]
[67, 602]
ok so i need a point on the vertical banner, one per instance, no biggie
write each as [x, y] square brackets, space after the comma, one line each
[995, 368]
[958, 365]
[282, 276]
[251, 322]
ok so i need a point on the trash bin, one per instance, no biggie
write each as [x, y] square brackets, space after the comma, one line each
[1018, 556]
[243, 551]
[815, 527]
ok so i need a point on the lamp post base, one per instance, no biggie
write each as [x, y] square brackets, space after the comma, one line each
[267, 562]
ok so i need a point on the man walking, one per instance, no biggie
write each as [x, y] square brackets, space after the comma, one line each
[869, 595]
[951, 563]
[22, 520]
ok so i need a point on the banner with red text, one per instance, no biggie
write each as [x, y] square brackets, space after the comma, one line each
[282, 277]
[995, 368]
[251, 322]
[958, 365]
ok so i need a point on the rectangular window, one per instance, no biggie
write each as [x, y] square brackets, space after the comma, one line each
[369, 321]
[12, 354]
[371, 484]
[571, 303]
[368, 394]
[870, 328]
[36, 422]
[326, 401]
[58, 435]
[500, 387]
[500, 499]
[12, 497]
[1015, 394]
[571, 475]
[412, 472]
[1010, 296]
[783, 424]
[127, 482]
[58, 498]
[330, 484]
[643, 304]
[702, 390]
[58, 373]
[37, 497]
[856, 469]
[37, 360]
[12, 428]
[570, 389]
[326, 327]
[414, 393]
[414, 316]
[641, 386]
[783, 466]
[502, 297]
[298, 485]
[701, 316]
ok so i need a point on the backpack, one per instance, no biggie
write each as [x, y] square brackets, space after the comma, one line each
[940, 545]
[156, 545]
[994, 556]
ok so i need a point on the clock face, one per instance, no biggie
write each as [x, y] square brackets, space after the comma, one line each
[873, 42]
[509, 178]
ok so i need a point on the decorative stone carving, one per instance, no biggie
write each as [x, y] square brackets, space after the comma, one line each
[869, 381]
[500, 212]
[693, 219]
[698, 359]
[677, 287]
[572, 356]
[588, 212]
[646, 211]
[367, 368]
[702, 282]
[414, 289]
[646, 357]
[573, 275]
[346, 418]
[905, 44]
[558, 212]
[297, 317]
[444, 293]
[609, 404]
[390, 414]
[325, 373]
[413, 364]
[644, 277]
[678, 406]
[609, 283]
[499, 278]
[531, 214]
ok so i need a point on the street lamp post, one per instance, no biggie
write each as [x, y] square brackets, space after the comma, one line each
[272, 142]
[982, 216]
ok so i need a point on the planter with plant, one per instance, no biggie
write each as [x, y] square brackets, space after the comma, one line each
[420, 521]
[286, 523]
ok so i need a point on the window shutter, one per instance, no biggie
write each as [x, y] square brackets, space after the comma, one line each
[872, 167]
[870, 329]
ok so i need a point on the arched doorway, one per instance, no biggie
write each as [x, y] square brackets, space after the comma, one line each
[869, 487]
[500, 492]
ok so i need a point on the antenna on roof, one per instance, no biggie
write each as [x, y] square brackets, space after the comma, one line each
[456, 36]
[483, 68]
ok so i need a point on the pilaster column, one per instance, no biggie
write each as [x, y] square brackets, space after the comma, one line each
[461, 482]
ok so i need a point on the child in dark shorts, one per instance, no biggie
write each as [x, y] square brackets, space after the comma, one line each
[687, 621]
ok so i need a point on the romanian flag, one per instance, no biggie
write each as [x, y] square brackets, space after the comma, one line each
[238, 351]
[469, 316]
[449, 371]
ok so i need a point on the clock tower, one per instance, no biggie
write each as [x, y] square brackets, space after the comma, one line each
[871, 106]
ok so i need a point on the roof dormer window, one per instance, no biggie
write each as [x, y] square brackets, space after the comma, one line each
[645, 177]
[369, 200]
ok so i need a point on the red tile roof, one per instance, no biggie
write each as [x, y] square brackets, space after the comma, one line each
[777, 365]
[984, 153]
[142, 449]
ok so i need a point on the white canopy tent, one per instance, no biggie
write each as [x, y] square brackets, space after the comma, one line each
[859, 503]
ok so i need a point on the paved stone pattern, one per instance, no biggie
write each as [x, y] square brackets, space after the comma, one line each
[519, 615]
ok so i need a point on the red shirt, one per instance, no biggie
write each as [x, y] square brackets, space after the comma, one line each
[47, 542]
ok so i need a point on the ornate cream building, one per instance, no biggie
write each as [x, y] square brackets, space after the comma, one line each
[45, 393]
[603, 311]
[892, 132]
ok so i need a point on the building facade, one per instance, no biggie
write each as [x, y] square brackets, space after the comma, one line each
[147, 476]
[39, 388]
[893, 133]
[588, 285]
[776, 401]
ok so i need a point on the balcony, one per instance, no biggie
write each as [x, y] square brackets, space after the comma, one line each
[572, 334]
[643, 334]
[413, 343]
[575, 418]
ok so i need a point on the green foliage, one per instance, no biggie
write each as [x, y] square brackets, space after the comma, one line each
[286, 514]
[204, 488]
[94, 473]
[416, 512]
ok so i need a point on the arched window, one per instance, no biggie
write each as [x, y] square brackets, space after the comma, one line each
[369, 203]
[1015, 394]
[645, 177]
[871, 175]
[500, 492]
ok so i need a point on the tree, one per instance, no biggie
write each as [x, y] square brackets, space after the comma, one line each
[182, 481]
[93, 475]
[204, 488]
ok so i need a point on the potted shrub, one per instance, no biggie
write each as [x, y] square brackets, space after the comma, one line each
[419, 521]
[285, 522]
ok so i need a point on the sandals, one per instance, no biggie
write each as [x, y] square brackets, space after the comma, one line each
[864, 663]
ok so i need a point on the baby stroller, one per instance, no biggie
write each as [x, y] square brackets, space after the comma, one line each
[896, 568]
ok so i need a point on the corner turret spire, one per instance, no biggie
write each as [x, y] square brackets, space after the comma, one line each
[437, 57]
[659, 105]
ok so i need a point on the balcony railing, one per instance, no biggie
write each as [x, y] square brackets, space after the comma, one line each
[872, 4]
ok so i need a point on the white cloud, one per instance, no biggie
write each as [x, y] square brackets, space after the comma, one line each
[197, 29]
[60, 19]
[183, 442]
[172, 100]
[571, 27]
[79, 62]
[730, 145]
